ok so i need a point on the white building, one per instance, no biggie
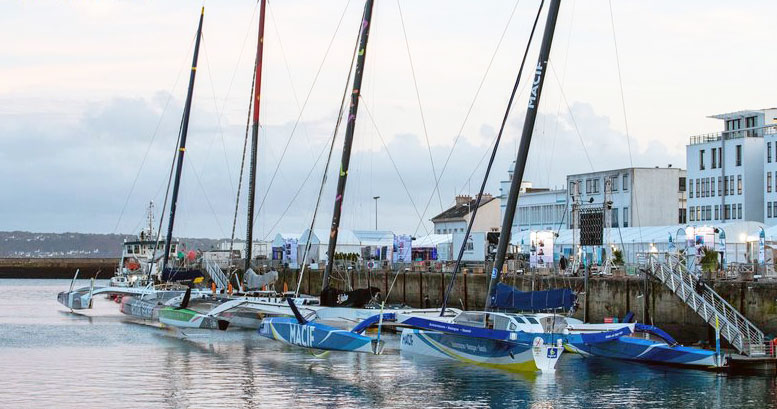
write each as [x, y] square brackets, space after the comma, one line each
[770, 167]
[640, 196]
[456, 218]
[538, 208]
[726, 170]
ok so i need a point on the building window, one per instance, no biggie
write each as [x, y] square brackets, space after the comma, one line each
[625, 217]
[614, 183]
[615, 217]
[681, 187]
[681, 216]
[625, 181]
[701, 159]
[698, 213]
[691, 213]
[769, 209]
[769, 182]
[712, 187]
[739, 184]
[714, 158]
[739, 211]
[750, 123]
[588, 189]
[725, 185]
[768, 152]
[731, 185]
[717, 212]
[727, 212]
[739, 155]
[709, 212]
[596, 185]
[690, 188]
[720, 186]
[698, 188]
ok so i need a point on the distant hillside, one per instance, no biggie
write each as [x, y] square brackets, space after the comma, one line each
[76, 245]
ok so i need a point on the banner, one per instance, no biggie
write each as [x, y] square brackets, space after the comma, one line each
[761, 246]
[402, 249]
[290, 252]
[541, 248]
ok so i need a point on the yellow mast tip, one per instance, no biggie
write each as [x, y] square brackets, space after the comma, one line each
[203, 10]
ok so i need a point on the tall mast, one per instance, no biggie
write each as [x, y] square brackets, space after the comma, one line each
[182, 145]
[346, 158]
[523, 149]
[254, 140]
[490, 162]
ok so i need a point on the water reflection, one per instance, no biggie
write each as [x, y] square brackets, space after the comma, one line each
[53, 358]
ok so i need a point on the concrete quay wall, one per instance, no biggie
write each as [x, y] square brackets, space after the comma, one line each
[608, 297]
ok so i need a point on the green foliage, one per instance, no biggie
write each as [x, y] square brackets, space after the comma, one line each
[709, 260]
[352, 257]
[617, 256]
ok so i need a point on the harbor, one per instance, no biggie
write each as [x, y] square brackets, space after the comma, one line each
[100, 351]
[406, 253]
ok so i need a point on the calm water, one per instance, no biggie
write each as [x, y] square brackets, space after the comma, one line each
[53, 358]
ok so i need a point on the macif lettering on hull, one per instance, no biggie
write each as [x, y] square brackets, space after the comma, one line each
[301, 335]
[535, 86]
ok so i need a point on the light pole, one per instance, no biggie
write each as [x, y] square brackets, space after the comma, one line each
[376, 211]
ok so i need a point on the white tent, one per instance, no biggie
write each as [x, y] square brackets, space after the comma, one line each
[633, 240]
[347, 242]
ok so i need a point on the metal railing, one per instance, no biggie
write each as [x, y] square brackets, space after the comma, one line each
[215, 273]
[752, 132]
[734, 327]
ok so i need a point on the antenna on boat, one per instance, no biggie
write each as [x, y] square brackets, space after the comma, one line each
[254, 140]
[523, 148]
[326, 297]
[182, 145]
[490, 163]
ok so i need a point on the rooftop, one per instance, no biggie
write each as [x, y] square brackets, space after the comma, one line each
[464, 205]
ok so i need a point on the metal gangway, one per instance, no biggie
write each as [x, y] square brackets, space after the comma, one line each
[215, 273]
[709, 305]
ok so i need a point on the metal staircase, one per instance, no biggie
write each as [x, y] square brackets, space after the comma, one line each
[215, 273]
[710, 306]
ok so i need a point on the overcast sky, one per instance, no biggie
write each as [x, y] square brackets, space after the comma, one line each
[91, 96]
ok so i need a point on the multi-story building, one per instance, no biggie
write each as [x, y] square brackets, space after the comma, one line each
[640, 196]
[538, 208]
[770, 167]
[726, 170]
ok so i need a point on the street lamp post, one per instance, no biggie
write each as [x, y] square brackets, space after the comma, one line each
[376, 211]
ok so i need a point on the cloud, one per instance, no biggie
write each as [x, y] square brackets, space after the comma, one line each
[75, 175]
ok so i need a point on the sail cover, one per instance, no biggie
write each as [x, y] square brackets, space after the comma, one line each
[508, 298]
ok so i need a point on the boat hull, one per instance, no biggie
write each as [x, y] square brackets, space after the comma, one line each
[636, 349]
[314, 335]
[507, 356]
[186, 318]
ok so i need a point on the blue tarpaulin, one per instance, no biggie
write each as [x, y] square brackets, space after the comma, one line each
[508, 298]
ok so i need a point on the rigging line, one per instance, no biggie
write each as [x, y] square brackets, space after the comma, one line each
[153, 137]
[218, 117]
[418, 98]
[299, 190]
[571, 115]
[164, 202]
[563, 81]
[625, 117]
[288, 72]
[242, 167]
[396, 169]
[491, 160]
[205, 195]
[466, 116]
[299, 117]
[239, 57]
[340, 114]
